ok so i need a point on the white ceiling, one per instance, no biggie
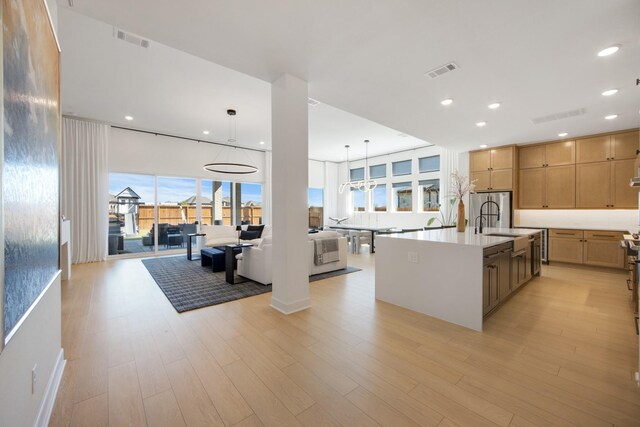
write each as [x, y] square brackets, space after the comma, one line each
[364, 57]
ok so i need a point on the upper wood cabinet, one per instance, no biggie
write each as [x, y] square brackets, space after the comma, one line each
[625, 145]
[543, 155]
[501, 179]
[550, 187]
[479, 161]
[602, 185]
[622, 195]
[494, 158]
[502, 158]
[492, 169]
[618, 146]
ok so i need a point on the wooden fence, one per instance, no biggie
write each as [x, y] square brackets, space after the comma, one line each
[174, 215]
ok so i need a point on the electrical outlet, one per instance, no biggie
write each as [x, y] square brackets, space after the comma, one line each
[34, 378]
[412, 257]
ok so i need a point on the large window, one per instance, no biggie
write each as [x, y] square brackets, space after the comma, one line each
[216, 202]
[378, 171]
[131, 213]
[358, 200]
[316, 203]
[403, 196]
[379, 198]
[401, 168]
[429, 164]
[251, 203]
[357, 174]
[430, 191]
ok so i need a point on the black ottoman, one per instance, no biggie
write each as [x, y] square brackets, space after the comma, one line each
[212, 257]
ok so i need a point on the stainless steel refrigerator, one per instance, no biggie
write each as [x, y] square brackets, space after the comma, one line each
[502, 198]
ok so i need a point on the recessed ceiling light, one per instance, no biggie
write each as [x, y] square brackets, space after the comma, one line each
[447, 101]
[206, 132]
[608, 51]
[484, 146]
[128, 118]
[611, 117]
[610, 92]
[494, 105]
[481, 124]
[562, 134]
[261, 142]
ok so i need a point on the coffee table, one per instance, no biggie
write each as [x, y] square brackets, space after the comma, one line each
[229, 255]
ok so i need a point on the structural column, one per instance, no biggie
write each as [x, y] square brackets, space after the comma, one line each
[290, 175]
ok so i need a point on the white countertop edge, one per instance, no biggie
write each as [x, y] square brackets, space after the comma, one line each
[468, 238]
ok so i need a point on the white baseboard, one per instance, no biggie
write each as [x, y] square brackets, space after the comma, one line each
[290, 308]
[51, 392]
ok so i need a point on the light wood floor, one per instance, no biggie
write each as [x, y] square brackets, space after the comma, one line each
[561, 352]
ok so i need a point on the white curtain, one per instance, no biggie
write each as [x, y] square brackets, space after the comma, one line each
[84, 189]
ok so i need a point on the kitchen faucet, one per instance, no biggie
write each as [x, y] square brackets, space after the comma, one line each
[497, 215]
[475, 229]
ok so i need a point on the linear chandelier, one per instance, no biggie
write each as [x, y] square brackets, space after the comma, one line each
[231, 168]
[361, 185]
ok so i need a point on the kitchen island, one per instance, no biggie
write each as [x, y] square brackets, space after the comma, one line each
[457, 277]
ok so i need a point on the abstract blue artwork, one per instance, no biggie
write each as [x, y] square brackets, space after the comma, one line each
[30, 169]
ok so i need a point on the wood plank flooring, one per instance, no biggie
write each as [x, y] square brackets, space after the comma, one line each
[561, 352]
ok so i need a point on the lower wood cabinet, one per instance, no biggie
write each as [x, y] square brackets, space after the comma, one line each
[599, 248]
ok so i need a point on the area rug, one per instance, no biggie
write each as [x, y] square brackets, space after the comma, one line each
[188, 286]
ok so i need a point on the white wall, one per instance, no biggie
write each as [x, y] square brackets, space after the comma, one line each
[137, 152]
[37, 341]
[609, 219]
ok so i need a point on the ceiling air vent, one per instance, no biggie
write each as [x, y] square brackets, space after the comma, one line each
[559, 116]
[128, 37]
[437, 72]
[312, 102]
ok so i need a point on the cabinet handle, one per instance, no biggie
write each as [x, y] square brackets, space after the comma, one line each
[566, 234]
[603, 235]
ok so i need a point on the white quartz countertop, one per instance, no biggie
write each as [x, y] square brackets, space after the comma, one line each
[468, 238]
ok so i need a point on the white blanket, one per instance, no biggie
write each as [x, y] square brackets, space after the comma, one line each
[326, 251]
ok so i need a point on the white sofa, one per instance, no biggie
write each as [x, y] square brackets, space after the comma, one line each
[255, 263]
[220, 235]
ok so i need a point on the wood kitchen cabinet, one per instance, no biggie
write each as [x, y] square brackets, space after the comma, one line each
[551, 187]
[496, 280]
[493, 168]
[603, 249]
[602, 185]
[565, 245]
[599, 248]
[545, 155]
[490, 283]
[618, 146]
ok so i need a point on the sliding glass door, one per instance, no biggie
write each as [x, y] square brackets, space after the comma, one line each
[149, 214]
[131, 214]
[176, 209]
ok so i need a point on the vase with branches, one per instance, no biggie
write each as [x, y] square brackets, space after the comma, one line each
[460, 186]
